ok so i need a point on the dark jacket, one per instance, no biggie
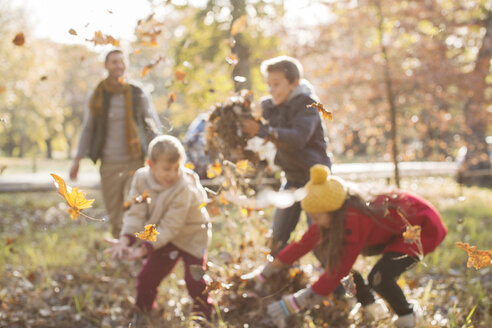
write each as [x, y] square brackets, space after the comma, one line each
[301, 141]
[145, 132]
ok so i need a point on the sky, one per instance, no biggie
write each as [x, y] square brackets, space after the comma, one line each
[118, 18]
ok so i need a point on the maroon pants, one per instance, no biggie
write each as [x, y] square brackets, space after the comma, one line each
[158, 265]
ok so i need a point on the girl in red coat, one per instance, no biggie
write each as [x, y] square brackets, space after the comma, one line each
[346, 225]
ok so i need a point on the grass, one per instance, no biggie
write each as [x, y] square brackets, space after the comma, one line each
[51, 263]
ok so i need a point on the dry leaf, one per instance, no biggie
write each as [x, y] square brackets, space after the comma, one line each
[476, 258]
[100, 38]
[412, 234]
[214, 170]
[239, 25]
[326, 114]
[75, 199]
[179, 75]
[149, 234]
[19, 39]
[190, 165]
[2, 89]
[150, 66]
[171, 98]
[72, 31]
[43, 78]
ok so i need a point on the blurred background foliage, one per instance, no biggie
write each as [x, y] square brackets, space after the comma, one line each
[429, 61]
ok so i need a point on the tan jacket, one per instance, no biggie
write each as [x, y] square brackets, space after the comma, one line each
[176, 211]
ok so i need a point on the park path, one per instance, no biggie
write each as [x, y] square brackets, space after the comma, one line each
[42, 181]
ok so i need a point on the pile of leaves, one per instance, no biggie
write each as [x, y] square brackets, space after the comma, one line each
[224, 136]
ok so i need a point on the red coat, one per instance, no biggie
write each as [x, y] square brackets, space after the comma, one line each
[362, 231]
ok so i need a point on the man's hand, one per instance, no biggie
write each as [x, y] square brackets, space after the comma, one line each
[74, 170]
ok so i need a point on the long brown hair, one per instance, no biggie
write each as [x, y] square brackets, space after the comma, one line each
[331, 245]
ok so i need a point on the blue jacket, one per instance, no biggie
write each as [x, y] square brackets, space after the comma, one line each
[301, 141]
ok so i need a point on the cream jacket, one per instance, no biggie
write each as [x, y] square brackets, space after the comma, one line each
[176, 211]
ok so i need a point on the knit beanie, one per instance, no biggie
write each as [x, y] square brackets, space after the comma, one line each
[324, 192]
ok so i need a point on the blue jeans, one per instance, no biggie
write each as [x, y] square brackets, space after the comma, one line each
[285, 221]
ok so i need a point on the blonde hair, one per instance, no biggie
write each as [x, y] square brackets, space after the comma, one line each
[166, 147]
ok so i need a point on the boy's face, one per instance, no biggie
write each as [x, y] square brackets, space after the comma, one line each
[279, 87]
[165, 172]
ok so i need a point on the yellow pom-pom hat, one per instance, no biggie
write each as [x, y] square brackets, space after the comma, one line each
[324, 192]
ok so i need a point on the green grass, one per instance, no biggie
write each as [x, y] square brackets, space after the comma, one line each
[65, 264]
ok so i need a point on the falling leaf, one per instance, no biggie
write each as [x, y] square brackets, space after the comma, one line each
[476, 258]
[72, 31]
[43, 78]
[173, 255]
[412, 234]
[171, 98]
[239, 25]
[232, 59]
[222, 199]
[109, 11]
[150, 66]
[197, 271]
[213, 208]
[137, 51]
[144, 197]
[240, 79]
[326, 114]
[149, 234]
[75, 199]
[19, 39]
[214, 170]
[179, 75]
[100, 38]
[190, 165]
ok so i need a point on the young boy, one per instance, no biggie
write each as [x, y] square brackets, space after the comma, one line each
[295, 129]
[182, 223]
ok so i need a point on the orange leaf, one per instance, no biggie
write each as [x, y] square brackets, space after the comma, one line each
[2, 89]
[412, 234]
[171, 98]
[214, 170]
[179, 75]
[150, 66]
[72, 31]
[150, 233]
[239, 25]
[100, 38]
[75, 198]
[326, 114]
[476, 258]
[19, 39]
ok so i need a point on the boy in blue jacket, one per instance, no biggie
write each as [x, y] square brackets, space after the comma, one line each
[297, 131]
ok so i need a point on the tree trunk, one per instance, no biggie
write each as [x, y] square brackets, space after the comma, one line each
[49, 148]
[390, 96]
[241, 71]
[475, 113]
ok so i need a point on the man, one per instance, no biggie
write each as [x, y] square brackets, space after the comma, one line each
[119, 123]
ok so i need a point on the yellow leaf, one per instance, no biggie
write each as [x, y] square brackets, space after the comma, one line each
[214, 170]
[75, 199]
[239, 25]
[412, 234]
[149, 234]
[244, 167]
[222, 199]
[244, 212]
[476, 258]
[190, 165]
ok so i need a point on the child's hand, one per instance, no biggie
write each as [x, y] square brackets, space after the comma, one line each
[118, 248]
[136, 253]
[250, 126]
